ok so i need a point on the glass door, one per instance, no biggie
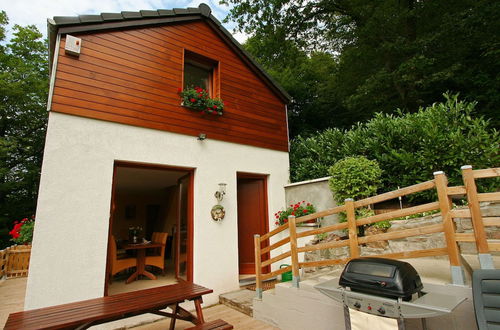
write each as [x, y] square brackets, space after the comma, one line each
[182, 236]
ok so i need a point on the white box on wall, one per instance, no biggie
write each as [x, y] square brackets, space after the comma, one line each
[73, 45]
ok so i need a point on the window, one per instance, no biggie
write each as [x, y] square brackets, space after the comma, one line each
[200, 71]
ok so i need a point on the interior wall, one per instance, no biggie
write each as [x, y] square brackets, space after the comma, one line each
[131, 211]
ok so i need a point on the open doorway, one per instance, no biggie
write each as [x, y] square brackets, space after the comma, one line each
[151, 227]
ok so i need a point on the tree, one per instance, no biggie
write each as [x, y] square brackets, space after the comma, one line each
[23, 92]
[390, 54]
[308, 78]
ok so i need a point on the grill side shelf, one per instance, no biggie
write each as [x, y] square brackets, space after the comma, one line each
[431, 304]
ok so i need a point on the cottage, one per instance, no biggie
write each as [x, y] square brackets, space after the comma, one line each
[127, 150]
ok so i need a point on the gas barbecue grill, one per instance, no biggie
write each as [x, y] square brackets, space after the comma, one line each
[382, 277]
[387, 288]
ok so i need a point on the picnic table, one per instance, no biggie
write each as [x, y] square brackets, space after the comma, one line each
[84, 314]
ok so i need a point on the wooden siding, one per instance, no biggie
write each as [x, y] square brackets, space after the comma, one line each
[132, 76]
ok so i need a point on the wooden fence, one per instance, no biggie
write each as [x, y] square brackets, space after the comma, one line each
[14, 261]
[447, 227]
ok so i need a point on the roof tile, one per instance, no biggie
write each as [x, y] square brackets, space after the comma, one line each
[181, 11]
[111, 16]
[149, 13]
[166, 12]
[61, 20]
[90, 18]
[131, 14]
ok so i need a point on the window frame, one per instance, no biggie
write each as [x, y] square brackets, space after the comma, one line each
[205, 63]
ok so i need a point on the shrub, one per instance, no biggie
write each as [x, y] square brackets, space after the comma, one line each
[357, 178]
[408, 147]
[354, 177]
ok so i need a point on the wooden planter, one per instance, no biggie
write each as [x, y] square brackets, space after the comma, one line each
[14, 261]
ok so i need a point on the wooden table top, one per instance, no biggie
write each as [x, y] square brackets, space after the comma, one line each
[141, 246]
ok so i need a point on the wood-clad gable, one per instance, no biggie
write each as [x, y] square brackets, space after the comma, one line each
[131, 76]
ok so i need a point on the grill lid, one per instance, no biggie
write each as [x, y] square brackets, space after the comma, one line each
[382, 277]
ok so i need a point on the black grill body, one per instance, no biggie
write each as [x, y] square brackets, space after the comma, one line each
[381, 277]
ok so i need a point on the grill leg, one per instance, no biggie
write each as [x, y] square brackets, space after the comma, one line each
[401, 324]
[424, 324]
[347, 318]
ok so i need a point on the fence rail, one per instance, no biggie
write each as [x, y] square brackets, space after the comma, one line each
[14, 261]
[447, 227]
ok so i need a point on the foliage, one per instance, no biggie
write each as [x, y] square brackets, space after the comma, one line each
[198, 98]
[23, 118]
[385, 54]
[357, 178]
[298, 210]
[308, 78]
[354, 177]
[417, 215]
[408, 147]
[22, 233]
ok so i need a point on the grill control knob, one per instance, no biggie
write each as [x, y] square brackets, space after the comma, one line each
[381, 310]
[357, 304]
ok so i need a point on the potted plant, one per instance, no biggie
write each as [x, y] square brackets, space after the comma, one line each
[298, 210]
[199, 99]
[135, 235]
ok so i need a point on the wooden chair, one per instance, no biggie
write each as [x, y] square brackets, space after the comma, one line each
[118, 265]
[158, 260]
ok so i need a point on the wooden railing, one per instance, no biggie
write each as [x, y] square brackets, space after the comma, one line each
[14, 261]
[447, 227]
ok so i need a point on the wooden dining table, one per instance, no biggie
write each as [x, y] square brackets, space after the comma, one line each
[141, 259]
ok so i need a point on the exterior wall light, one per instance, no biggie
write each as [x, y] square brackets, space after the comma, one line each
[219, 194]
[202, 136]
[218, 213]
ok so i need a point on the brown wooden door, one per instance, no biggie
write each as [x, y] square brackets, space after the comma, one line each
[252, 217]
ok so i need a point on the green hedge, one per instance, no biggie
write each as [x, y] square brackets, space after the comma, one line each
[408, 147]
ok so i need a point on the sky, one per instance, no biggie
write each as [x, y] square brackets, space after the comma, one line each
[26, 12]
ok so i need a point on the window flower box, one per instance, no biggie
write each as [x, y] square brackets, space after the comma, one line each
[199, 99]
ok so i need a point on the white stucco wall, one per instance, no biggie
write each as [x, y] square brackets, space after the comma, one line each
[70, 241]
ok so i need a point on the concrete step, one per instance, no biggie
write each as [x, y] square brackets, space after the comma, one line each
[241, 300]
[297, 309]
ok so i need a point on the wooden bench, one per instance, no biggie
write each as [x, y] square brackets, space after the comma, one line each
[84, 314]
[213, 325]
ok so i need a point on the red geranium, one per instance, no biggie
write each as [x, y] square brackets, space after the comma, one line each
[22, 232]
[199, 99]
[299, 209]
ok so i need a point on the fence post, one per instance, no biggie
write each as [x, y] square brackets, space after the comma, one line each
[485, 259]
[353, 229]
[258, 267]
[457, 271]
[3, 263]
[292, 226]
